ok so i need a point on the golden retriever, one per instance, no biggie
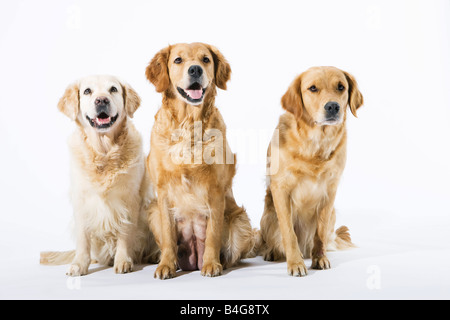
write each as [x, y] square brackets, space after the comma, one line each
[305, 165]
[196, 220]
[109, 185]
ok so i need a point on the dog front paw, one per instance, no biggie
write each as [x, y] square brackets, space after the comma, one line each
[165, 271]
[124, 266]
[297, 269]
[212, 269]
[320, 263]
[77, 270]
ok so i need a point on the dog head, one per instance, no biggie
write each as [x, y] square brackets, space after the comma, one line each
[321, 95]
[99, 102]
[189, 71]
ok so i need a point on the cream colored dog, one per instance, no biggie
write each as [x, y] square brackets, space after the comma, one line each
[109, 184]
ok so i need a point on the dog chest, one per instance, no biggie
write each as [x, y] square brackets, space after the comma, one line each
[188, 197]
[106, 208]
[309, 195]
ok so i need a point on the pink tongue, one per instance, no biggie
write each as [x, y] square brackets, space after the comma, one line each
[103, 121]
[195, 94]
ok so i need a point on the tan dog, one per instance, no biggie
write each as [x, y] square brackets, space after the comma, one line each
[196, 220]
[109, 186]
[307, 162]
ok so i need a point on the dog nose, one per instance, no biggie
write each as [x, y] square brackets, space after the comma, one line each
[195, 71]
[101, 101]
[332, 109]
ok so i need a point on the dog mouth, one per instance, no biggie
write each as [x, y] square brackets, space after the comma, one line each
[329, 122]
[103, 121]
[194, 94]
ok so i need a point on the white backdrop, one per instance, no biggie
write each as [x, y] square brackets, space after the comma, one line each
[397, 174]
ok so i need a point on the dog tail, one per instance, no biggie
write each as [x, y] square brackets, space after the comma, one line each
[57, 258]
[341, 240]
[257, 243]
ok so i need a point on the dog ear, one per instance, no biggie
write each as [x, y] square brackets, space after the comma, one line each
[222, 69]
[356, 99]
[157, 71]
[292, 100]
[131, 100]
[69, 104]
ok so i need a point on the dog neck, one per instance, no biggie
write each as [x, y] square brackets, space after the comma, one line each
[103, 143]
[320, 142]
[183, 112]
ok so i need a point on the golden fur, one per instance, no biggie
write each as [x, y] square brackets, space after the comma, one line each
[195, 209]
[109, 187]
[305, 166]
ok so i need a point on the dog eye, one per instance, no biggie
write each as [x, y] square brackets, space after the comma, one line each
[113, 90]
[341, 87]
[313, 89]
[87, 91]
[206, 60]
[178, 60]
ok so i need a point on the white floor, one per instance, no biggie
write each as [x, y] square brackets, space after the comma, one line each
[396, 260]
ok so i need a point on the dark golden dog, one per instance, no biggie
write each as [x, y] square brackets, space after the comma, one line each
[196, 220]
